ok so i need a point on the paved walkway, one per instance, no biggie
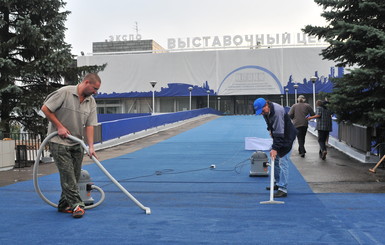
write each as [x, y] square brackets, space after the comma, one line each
[339, 173]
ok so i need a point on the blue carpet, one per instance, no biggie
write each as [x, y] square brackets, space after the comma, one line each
[192, 203]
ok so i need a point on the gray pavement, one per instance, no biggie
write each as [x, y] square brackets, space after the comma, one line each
[339, 173]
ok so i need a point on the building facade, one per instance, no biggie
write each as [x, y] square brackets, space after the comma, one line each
[227, 80]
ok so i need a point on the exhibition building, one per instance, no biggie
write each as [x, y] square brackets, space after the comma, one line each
[142, 77]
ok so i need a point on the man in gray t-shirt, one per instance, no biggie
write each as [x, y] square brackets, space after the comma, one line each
[72, 110]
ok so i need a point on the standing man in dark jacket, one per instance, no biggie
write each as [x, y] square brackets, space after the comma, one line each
[283, 133]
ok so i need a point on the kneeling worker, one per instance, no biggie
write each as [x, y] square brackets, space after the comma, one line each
[283, 133]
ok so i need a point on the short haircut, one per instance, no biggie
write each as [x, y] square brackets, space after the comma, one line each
[301, 99]
[92, 77]
[319, 103]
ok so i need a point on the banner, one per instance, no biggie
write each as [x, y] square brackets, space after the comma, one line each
[224, 72]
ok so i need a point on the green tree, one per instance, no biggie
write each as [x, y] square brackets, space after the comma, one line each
[34, 59]
[355, 31]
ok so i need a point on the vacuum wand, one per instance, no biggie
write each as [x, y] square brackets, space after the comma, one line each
[146, 209]
[272, 201]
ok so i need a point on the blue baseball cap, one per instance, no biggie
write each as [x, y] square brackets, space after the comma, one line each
[258, 105]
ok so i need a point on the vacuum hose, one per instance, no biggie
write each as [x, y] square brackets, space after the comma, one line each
[37, 188]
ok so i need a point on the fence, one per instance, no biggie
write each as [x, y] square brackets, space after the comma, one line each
[356, 136]
[26, 145]
[115, 129]
[366, 139]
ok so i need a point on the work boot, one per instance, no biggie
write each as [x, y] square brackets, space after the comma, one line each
[280, 194]
[78, 212]
[323, 156]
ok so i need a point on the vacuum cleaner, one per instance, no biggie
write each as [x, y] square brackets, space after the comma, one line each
[84, 184]
[259, 164]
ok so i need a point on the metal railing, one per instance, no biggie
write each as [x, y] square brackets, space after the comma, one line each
[26, 147]
[356, 136]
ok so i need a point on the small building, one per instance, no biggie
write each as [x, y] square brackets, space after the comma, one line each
[142, 46]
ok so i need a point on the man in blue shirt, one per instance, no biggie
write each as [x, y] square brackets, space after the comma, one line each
[283, 133]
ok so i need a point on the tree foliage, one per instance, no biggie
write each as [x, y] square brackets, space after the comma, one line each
[355, 31]
[34, 59]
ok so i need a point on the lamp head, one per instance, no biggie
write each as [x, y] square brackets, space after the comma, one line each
[153, 83]
[313, 79]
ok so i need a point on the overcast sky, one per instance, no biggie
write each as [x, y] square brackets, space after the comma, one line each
[160, 20]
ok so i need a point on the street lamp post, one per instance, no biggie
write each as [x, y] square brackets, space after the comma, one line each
[313, 79]
[219, 103]
[208, 98]
[190, 89]
[153, 83]
[295, 92]
[287, 96]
